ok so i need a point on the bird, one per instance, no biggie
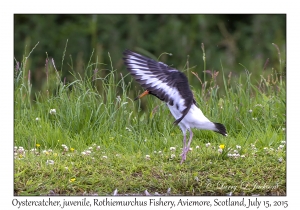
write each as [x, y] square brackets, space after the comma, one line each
[170, 86]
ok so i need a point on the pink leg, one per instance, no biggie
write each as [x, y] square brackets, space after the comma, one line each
[190, 140]
[183, 154]
[185, 149]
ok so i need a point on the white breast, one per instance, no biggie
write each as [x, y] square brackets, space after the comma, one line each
[194, 118]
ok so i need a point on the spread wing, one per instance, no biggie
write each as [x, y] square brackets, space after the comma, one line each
[166, 83]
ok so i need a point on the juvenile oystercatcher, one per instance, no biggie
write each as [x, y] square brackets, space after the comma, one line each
[171, 86]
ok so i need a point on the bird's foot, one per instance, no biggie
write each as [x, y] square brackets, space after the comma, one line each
[183, 158]
[183, 154]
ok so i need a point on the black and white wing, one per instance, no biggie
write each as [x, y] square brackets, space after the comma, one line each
[164, 82]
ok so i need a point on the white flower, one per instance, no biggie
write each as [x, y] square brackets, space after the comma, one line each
[49, 150]
[90, 148]
[220, 150]
[52, 111]
[280, 160]
[128, 129]
[118, 155]
[235, 151]
[37, 119]
[254, 118]
[238, 147]
[250, 110]
[104, 156]
[66, 168]
[173, 156]
[236, 155]
[65, 147]
[83, 153]
[159, 152]
[50, 162]
[172, 148]
[21, 150]
[283, 129]
[147, 157]
[229, 155]
[207, 144]
[265, 148]
[242, 156]
[88, 152]
[280, 146]
[197, 147]
[154, 152]
[283, 142]
[98, 147]
[190, 149]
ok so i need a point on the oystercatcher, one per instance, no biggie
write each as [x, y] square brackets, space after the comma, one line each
[171, 86]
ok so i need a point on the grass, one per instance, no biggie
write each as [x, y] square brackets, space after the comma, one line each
[98, 139]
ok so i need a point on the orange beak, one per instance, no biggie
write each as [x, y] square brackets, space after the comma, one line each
[142, 95]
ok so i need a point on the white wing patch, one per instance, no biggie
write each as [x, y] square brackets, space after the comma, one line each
[139, 68]
[172, 92]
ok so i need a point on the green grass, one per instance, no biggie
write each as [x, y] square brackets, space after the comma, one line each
[100, 116]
